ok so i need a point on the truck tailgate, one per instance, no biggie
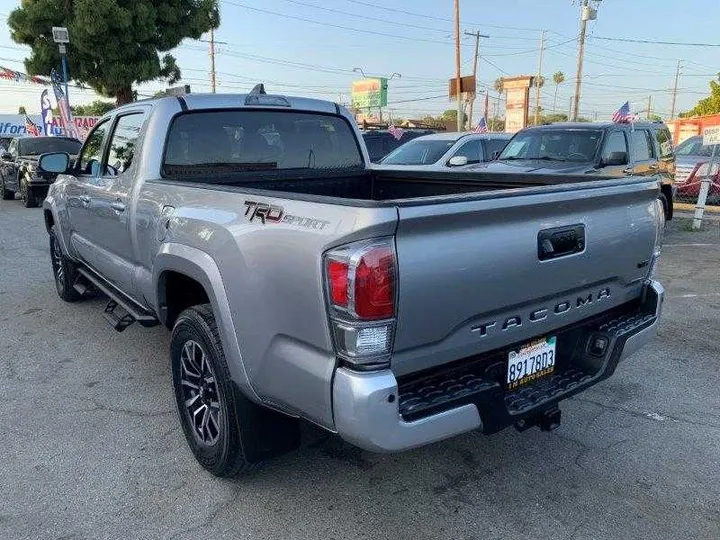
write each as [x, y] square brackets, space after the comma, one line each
[479, 275]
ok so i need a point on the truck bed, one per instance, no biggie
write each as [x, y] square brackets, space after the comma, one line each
[398, 186]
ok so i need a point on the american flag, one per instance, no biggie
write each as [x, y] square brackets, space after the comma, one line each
[31, 128]
[482, 126]
[63, 105]
[395, 131]
[623, 114]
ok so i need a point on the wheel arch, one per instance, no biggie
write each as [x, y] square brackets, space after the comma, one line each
[192, 273]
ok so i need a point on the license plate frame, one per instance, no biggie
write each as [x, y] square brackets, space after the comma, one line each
[531, 361]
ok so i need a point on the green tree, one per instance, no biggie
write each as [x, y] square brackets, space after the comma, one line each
[558, 79]
[708, 105]
[96, 108]
[113, 43]
[451, 115]
[21, 110]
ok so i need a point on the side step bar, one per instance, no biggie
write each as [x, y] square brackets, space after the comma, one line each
[120, 312]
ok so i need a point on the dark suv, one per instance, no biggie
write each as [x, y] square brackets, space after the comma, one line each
[607, 149]
[380, 142]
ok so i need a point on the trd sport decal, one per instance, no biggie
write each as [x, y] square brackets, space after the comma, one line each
[268, 214]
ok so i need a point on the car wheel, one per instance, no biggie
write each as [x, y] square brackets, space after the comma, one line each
[664, 202]
[64, 270]
[209, 405]
[7, 195]
[26, 195]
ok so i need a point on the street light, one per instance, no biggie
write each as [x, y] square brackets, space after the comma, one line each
[61, 36]
[359, 70]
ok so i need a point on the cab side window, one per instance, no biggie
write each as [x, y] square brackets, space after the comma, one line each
[664, 142]
[615, 143]
[91, 153]
[472, 150]
[122, 143]
[13, 147]
[641, 145]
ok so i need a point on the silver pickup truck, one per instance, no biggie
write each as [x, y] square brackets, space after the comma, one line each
[395, 308]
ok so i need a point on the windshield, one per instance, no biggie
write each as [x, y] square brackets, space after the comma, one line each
[237, 141]
[35, 147]
[419, 152]
[554, 145]
[694, 147]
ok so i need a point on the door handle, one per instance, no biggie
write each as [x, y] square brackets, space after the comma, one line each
[118, 206]
[628, 170]
[653, 167]
[84, 199]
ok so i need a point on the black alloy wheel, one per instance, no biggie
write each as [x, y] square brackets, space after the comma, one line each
[200, 393]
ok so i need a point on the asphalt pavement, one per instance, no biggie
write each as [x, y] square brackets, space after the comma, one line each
[91, 448]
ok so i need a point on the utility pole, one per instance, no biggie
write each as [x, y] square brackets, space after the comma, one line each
[212, 42]
[477, 36]
[539, 75]
[586, 14]
[457, 64]
[212, 60]
[649, 106]
[674, 94]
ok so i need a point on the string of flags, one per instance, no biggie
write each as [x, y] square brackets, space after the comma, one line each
[17, 76]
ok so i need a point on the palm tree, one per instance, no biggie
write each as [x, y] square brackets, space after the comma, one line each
[558, 79]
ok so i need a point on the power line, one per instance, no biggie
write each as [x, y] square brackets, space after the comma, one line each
[425, 16]
[685, 44]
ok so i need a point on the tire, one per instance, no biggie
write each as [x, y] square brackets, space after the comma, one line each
[210, 412]
[64, 270]
[26, 196]
[7, 195]
[664, 202]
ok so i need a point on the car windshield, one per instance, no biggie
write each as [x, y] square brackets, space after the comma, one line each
[240, 141]
[44, 145]
[419, 152]
[554, 145]
[694, 147]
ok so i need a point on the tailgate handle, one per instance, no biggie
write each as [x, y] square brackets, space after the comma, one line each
[561, 241]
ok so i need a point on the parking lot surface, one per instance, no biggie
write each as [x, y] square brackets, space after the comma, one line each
[91, 446]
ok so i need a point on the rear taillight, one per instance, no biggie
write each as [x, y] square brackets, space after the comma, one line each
[361, 293]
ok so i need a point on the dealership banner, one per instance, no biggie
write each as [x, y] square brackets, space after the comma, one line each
[13, 125]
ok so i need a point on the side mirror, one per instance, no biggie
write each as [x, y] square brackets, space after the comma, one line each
[615, 158]
[457, 161]
[6, 156]
[54, 163]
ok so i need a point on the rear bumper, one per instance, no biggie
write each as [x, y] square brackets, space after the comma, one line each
[372, 411]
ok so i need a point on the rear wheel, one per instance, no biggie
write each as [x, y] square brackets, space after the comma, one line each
[64, 271]
[665, 207]
[7, 195]
[209, 405]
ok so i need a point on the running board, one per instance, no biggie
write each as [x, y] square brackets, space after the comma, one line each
[119, 312]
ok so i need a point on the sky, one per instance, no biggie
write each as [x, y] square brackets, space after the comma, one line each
[310, 48]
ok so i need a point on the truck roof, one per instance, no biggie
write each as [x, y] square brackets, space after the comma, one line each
[226, 101]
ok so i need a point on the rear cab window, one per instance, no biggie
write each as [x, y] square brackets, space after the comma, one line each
[231, 141]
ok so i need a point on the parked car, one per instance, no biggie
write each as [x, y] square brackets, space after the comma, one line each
[692, 166]
[18, 168]
[442, 150]
[606, 149]
[395, 308]
[380, 142]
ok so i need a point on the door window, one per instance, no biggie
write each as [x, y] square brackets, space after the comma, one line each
[91, 154]
[641, 145]
[493, 147]
[122, 143]
[615, 143]
[664, 143]
[471, 150]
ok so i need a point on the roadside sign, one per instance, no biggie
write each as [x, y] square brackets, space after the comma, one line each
[60, 34]
[467, 86]
[369, 93]
[711, 135]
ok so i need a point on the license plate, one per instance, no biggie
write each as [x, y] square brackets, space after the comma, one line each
[532, 361]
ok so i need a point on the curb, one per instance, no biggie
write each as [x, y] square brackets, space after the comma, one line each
[691, 208]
